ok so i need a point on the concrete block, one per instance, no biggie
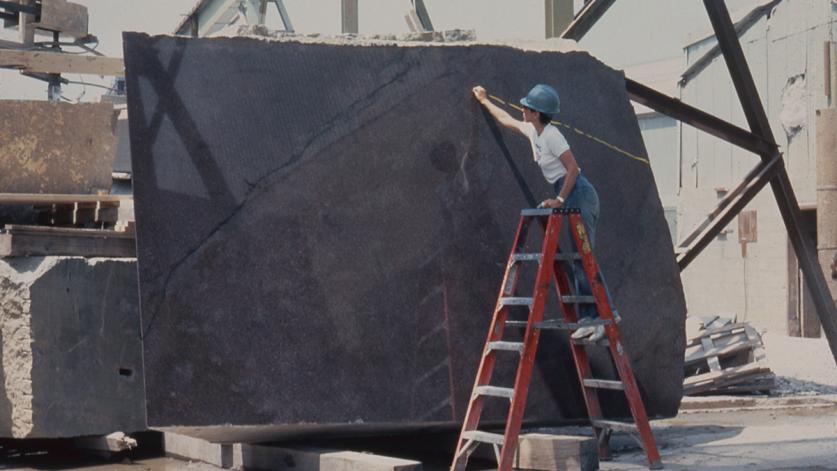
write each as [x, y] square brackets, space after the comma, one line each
[277, 458]
[71, 353]
[196, 449]
[56, 147]
[322, 229]
[270, 458]
[557, 453]
[63, 16]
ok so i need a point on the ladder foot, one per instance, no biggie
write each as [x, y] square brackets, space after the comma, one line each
[655, 465]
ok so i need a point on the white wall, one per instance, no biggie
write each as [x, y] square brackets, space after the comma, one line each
[660, 135]
[640, 31]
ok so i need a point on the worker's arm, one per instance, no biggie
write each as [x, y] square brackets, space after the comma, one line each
[573, 170]
[498, 113]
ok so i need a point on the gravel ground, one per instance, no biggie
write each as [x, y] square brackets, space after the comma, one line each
[802, 366]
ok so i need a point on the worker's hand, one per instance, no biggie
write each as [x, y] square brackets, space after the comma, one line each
[551, 203]
[479, 93]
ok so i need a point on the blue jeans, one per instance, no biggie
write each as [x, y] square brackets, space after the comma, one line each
[585, 198]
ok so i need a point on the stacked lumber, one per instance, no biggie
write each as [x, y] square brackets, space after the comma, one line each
[724, 357]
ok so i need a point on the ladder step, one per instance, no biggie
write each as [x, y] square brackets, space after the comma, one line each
[604, 384]
[484, 437]
[512, 301]
[578, 299]
[506, 346]
[517, 324]
[603, 342]
[526, 257]
[531, 257]
[555, 324]
[544, 212]
[616, 425]
[494, 391]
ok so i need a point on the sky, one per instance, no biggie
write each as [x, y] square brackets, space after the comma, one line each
[660, 27]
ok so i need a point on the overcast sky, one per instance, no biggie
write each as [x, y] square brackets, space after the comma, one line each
[657, 28]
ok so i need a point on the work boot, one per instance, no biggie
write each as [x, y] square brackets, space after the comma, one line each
[585, 330]
[598, 333]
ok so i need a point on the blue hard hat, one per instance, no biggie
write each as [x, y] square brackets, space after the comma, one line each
[542, 98]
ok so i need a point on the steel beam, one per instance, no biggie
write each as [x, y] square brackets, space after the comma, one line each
[726, 210]
[559, 15]
[745, 87]
[699, 119]
[283, 13]
[586, 18]
[349, 16]
[423, 15]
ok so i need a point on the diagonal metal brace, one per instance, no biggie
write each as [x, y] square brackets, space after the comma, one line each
[699, 119]
[726, 210]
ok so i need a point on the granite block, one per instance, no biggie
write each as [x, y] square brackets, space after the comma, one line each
[71, 354]
[56, 147]
[322, 230]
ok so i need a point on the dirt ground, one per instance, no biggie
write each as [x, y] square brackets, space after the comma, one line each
[794, 429]
[780, 433]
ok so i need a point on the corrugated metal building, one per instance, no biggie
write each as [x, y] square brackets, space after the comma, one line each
[750, 270]
[784, 42]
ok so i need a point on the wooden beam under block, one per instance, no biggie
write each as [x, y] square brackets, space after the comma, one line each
[57, 63]
[32, 241]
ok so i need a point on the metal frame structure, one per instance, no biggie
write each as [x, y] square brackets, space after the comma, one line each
[758, 140]
[423, 15]
[12, 9]
[22, 15]
[208, 13]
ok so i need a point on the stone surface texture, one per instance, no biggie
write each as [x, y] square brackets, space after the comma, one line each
[323, 228]
[56, 147]
[71, 352]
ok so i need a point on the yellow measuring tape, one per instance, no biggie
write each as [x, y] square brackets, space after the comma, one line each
[579, 131]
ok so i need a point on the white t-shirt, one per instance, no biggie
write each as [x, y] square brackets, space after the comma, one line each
[547, 149]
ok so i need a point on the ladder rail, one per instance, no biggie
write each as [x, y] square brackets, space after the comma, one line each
[582, 364]
[617, 349]
[523, 378]
[487, 361]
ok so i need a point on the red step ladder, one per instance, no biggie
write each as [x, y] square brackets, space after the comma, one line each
[552, 266]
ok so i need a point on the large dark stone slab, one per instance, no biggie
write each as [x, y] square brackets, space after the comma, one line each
[322, 229]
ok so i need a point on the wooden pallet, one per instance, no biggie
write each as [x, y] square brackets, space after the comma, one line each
[725, 357]
[88, 211]
[28, 241]
[34, 199]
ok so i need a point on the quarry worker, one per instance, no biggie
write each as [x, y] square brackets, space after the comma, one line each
[557, 162]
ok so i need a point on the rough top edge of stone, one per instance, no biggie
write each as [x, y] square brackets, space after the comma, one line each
[32, 268]
[564, 46]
